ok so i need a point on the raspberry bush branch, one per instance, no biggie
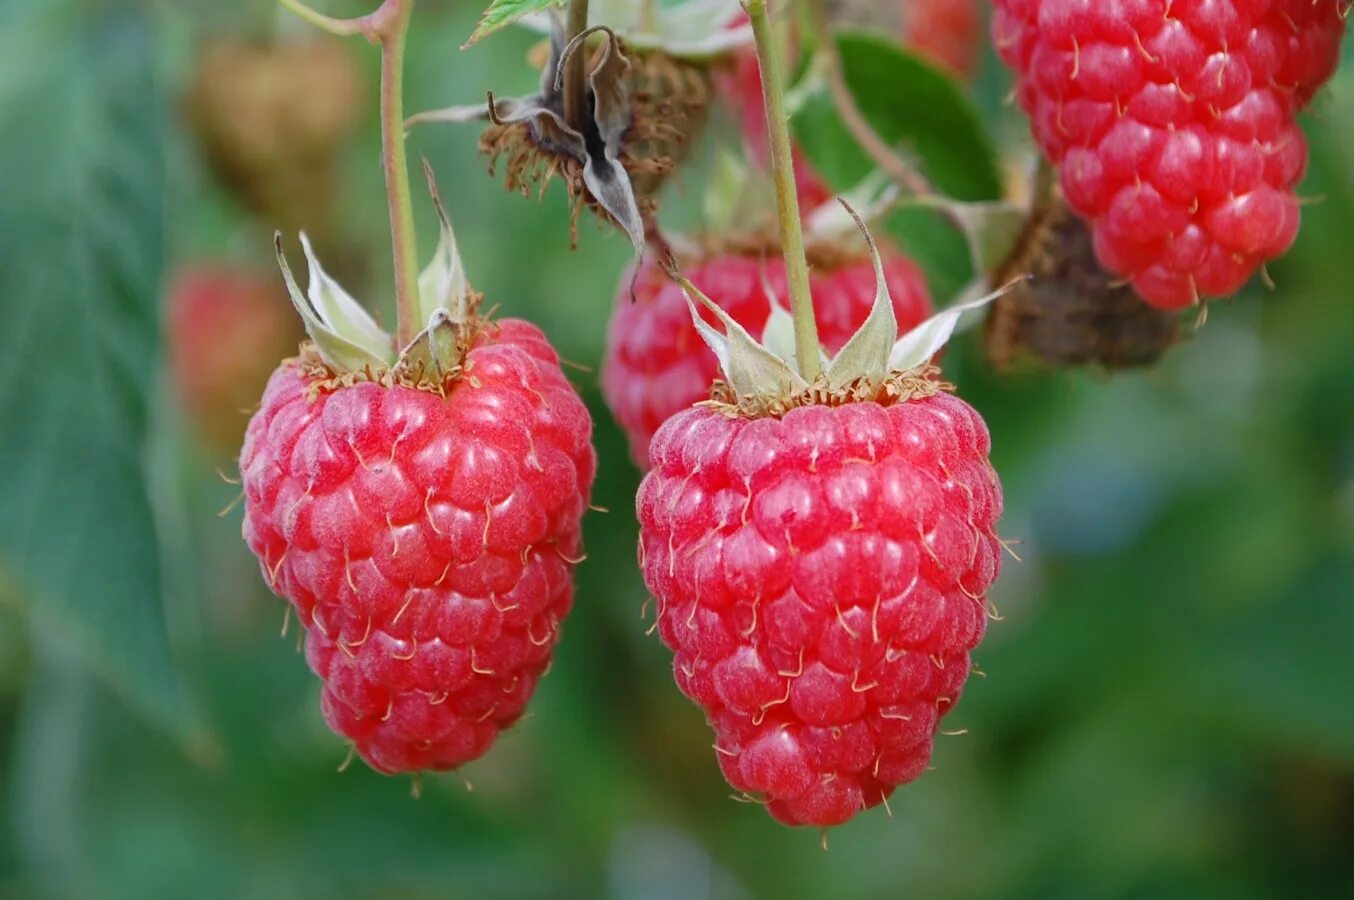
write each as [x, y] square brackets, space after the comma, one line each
[388, 27]
[787, 198]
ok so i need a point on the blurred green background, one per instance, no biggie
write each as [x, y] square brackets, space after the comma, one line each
[1168, 707]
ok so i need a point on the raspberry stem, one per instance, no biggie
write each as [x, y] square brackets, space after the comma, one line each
[787, 199]
[388, 28]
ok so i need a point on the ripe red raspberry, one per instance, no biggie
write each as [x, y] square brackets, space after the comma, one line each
[945, 32]
[655, 363]
[1173, 122]
[821, 579]
[227, 326]
[425, 541]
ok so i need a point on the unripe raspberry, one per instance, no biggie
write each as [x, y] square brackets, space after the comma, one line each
[1173, 124]
[655, 364]
[271, 119]
[821, 579]
[425, 539]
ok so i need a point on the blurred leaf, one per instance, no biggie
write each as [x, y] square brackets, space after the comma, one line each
[916, 108]
[1283, 676]
[502, 13]
[82, 169]
[913, 106]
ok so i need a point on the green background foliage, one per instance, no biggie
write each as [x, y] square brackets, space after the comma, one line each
[1166, 711]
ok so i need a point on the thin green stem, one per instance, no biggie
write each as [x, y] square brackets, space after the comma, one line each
[388, 27]
[575, 90]
[403, 237]
[340, 27]
[787, 198]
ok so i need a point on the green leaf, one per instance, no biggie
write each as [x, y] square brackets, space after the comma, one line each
[502, 13]
[913, 106]
[82, 175]
[919, 110]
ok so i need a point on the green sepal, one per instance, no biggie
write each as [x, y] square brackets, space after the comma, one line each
[340, 352]
[443, 285]
[751, 369]
[866, 353]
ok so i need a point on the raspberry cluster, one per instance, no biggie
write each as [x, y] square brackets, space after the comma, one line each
[1174, 125]
[425, 541]
[821, 580]
[656, 365]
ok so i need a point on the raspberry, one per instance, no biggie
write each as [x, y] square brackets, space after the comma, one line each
[1174, 126]
[945, 32]
[426, 541]
[655, 363]
[227, 328]
[1070, 312]
[821, 580]
[271, 118]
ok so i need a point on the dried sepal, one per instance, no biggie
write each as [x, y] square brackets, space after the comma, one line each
[603, 173]
[341, 352]
[533, 132]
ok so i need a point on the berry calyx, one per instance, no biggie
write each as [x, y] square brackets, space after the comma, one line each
[655, 364]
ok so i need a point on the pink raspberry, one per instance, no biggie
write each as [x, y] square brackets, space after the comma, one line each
[425, 541]
[655, 363]
[1173, 122]
[822, 578]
